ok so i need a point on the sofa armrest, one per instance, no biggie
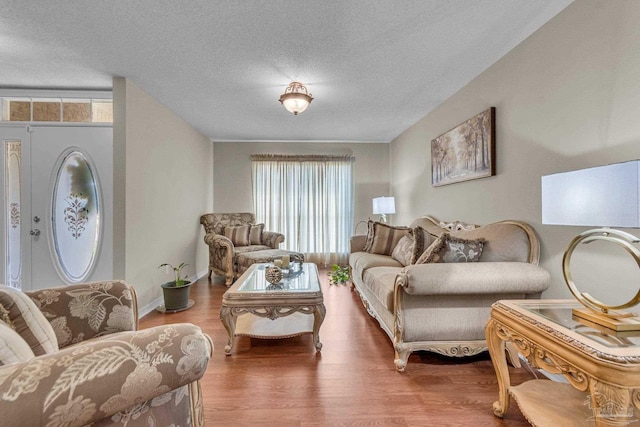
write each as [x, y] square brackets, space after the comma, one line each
[473, 278]
[218, 241]
[87, 310]
[94, 380]
[272, 239]
[356, 243]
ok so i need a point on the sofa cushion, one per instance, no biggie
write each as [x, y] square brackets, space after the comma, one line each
[380, 281]
[361, 261]
[238, 234]
[448, 248]
[13, 348]
[255, 234]
[404, 252]
[386, 237]
[28, 321]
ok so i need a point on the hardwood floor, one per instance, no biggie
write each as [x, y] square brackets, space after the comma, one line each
[352, 382]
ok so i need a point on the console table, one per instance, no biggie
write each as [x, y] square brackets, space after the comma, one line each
[602, 367]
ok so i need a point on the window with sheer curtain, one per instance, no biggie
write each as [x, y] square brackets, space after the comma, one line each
[309, 199]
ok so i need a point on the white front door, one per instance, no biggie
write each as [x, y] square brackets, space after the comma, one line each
[66, 209]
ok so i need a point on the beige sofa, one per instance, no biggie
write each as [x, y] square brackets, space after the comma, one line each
[443, 306]
[71, 356]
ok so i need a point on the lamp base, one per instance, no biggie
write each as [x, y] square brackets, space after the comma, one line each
[625, 321]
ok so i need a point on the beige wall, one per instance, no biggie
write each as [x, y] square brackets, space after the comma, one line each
[232, 171]
[566, 98]
[163, 182]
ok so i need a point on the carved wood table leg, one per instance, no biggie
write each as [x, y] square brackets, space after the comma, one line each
[229, 323]
[497, 351]
[612, 406]
[318, 318]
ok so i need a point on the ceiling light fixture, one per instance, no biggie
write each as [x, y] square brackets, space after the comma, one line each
[296, 98]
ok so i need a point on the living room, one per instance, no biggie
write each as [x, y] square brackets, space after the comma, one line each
[565, 99]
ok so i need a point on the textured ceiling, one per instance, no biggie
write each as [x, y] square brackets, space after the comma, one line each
[374, 67]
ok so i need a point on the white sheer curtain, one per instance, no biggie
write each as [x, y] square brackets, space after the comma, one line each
[309, 199]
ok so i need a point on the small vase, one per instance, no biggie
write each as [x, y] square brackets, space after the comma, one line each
[273, 274]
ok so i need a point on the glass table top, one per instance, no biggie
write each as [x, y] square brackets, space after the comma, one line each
[560, 313]
[300, 278]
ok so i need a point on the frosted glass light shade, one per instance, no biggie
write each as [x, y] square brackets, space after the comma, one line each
[606, 196]
[296, 98]
[384, 205]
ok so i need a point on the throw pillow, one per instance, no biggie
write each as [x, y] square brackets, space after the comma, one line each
[13, 348]
[386, 237]
[239, 234]
[403, 252]
[28, 321]
[447, 248]
[423, 240]
[369, 241]
[255, 234]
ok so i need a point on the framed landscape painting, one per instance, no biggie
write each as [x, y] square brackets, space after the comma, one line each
[465, 152]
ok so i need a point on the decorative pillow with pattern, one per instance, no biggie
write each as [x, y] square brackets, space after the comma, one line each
[28, 321]
[255, 234]
[447, 249]
[404, 250]
[239, 234]
[386, 237]
[13, 348]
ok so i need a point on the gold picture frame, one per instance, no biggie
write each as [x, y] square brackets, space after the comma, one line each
[465, 152]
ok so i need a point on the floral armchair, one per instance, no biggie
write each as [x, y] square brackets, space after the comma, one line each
[230, 234]
[72, 356]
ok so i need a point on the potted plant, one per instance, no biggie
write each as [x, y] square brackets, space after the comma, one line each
[176, 292]
[338, 275]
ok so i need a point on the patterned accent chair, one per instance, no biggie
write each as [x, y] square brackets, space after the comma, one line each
[72, 356]
[223, 252]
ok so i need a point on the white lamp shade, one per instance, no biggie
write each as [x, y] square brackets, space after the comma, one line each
[384, 205]
[605, 196]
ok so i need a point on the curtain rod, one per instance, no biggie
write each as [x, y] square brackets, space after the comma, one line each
[302, 158]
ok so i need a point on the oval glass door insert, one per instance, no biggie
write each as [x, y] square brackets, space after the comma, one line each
[75, 216]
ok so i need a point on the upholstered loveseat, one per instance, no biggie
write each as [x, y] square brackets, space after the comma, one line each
[72, 356]
[425, 299]
[224, 249]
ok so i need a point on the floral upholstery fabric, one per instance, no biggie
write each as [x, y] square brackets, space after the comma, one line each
[80, 312]
[131, 378]
[222, 251]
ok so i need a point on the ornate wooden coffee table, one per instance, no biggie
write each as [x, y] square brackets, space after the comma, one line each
[253, 307]
[602, 367]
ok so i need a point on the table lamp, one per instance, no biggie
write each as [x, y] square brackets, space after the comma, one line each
[383, 206]
[603, 196]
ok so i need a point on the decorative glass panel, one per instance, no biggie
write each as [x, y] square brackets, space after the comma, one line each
[76, 215]
[102, 111]
[13, 161]
[76, 110]
[46, 111]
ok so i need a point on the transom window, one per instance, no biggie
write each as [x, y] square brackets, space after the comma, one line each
[62, 110]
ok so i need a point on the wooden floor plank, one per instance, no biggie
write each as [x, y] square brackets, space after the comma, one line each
[352, 382]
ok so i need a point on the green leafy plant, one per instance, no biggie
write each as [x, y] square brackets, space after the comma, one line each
[338, 275]
[178, 281]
